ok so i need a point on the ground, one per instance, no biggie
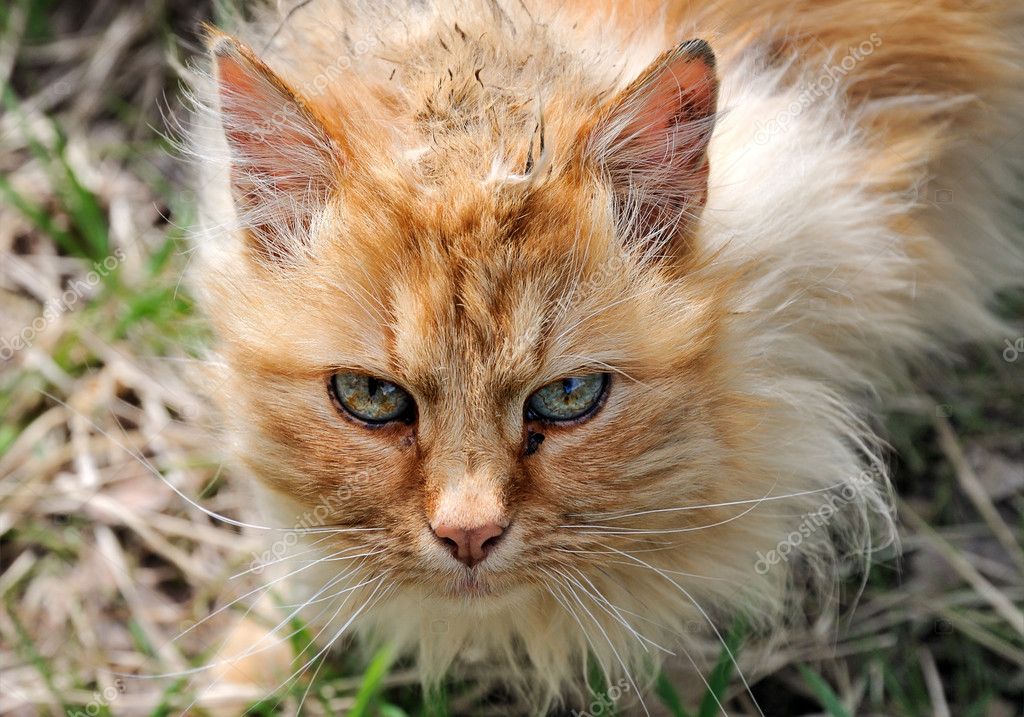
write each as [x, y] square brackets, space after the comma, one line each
[107, 572]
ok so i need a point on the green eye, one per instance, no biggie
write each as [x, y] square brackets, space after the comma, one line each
[568, 399]
[372, 400]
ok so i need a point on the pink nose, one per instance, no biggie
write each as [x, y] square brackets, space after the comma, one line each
[470, 546]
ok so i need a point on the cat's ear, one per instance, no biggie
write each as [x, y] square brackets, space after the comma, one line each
[284, 162]
[651, 141]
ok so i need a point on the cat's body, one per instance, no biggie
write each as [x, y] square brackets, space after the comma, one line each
[472, 200]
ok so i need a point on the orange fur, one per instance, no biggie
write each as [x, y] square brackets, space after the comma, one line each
[470, 232]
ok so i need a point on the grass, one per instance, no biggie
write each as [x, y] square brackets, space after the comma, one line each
[101, 565]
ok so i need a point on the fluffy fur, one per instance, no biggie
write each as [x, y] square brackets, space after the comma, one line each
[472, 199]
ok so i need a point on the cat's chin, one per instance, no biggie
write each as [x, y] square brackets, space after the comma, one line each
[477, 589]
[472, 584]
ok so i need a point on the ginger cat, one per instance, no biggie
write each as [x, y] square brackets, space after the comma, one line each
[547, 326]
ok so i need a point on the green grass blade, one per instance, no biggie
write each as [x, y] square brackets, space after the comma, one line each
[389, 710]
[8, 434]
[147, 305]
[39, 218]
[718, 682]
[164, 708]
[669, 697]
[371, 685]
[28, 648]
[81, 204]
[435, 703]
[300, 638]
[597, 682]
[823, 692]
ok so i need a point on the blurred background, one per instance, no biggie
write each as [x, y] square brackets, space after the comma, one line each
[107, 573]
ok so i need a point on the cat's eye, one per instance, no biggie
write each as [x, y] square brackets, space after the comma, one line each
[371, 400]
[568, 399]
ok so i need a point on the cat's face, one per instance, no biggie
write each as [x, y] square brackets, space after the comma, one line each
[465, 374]
[440, 303]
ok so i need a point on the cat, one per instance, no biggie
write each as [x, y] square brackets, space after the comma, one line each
[549, 329]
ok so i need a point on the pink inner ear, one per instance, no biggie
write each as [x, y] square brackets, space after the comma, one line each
[283, 163]
[234, 78]
[270, 134]
[652, 141]
[682, 91]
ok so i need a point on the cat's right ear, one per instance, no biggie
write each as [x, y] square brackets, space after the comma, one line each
[650, 141]
[284, 162]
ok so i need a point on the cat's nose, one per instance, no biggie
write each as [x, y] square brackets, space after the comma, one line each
[470, 545]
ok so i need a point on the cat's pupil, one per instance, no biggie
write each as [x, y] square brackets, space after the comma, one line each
[372, 385]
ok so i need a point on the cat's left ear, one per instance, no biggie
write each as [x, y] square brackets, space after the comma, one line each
[284, 161]
[651, 141]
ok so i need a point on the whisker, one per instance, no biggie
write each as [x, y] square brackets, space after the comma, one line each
[612, 609]
[710, 622]
[378, 551]
[261, 588]
[685, 574]
[763, 499]
[601, 531]
[334, 595]
[560, 598]
[251, 651]
[261, 565]
[336, 558]
[216, 516]
[337, 635]
[611, 646]
[254, 651]
[313, 598]
[582, 551]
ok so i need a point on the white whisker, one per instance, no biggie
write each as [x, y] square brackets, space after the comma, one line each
[763, 499]
[224, 519]
[369, 602]
[605, 530]
[611, 646]
[261, 565]
[708, 619]
[613, 610]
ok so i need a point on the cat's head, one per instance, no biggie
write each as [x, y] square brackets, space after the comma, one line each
[478, 336]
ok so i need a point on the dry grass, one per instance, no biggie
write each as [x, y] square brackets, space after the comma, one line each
[104, 566]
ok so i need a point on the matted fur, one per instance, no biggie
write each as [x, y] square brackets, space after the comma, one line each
[441, 209]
